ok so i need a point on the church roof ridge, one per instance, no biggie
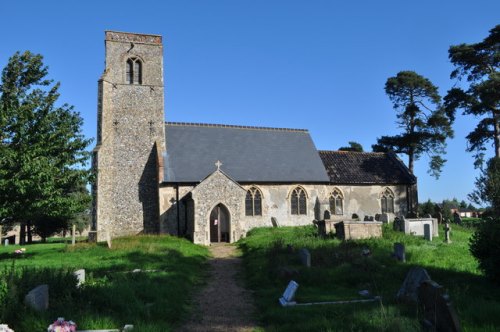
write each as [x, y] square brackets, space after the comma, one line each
[359, 152]
[214, 125]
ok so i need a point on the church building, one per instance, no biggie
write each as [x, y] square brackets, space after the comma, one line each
[213, 183]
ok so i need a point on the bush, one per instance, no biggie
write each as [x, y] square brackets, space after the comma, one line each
[485, 247]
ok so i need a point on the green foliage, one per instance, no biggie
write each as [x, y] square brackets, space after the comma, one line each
[479, 64]
[485, 247]
[353, 146]
[41, 144]
[428, 208]
[111, 296]
[488, 187]
[424, 130]
[339, 271]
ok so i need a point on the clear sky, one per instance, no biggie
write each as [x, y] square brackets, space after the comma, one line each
[318, 65]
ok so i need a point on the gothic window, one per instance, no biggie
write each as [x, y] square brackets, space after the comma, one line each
[253, 202]
[336, 202]
[134, 71]
[298, 201]
[387, 201]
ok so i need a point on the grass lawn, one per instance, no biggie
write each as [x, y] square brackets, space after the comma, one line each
[339, 271]
[155, 299]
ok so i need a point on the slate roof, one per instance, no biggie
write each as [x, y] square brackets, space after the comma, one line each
[346, 167]
[248, 154]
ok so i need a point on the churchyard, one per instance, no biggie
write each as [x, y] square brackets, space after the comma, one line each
[146, 281]
[361, 270]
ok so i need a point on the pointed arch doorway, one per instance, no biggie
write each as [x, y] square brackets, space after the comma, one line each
[219, 224]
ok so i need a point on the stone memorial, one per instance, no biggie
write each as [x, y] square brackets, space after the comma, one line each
[399, 252]
[80, 277]
[416, 226]
[73, 235]
[305, 257]
[428, 232]
[409, 288]
[6, 242]
[355, 230]
[274, 222]
[437, 309]
[384, 218]
[38, 298]
[447, 229]
[289, 294]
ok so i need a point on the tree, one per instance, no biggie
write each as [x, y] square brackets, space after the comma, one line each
[353, 146]
[425, 130]
[41, 144]
[479, 64]
[488, 187]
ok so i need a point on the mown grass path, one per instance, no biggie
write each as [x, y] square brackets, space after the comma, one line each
[223, 304]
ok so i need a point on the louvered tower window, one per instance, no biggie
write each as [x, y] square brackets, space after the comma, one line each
[134, 71]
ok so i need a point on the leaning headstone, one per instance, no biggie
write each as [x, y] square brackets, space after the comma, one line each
[428, 232]
[80, 277]
[457, 219]
[438, 311]
[305, 257]
[409, 288]
[447, 229]
[38, 298]
[399, 252]
[274, 221]
[440, 218]
[435, 227]
[289, 294]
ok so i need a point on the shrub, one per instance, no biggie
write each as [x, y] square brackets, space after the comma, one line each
[485, 247]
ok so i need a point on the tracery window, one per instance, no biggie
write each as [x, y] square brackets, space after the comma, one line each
[134, 71]
[253, 202]
[298, 201]
[336, 202]
[387, 201]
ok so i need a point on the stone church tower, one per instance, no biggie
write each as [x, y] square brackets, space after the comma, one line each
[130, 136]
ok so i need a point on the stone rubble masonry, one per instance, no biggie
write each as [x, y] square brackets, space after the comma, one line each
[130, 138]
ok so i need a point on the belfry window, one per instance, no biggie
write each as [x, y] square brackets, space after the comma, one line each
[336, 202]
[253, 202]
[134, 71]
[298, 201]
[387, 201]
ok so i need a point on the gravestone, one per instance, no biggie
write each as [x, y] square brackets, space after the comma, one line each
[108, 239]
[399, 252]
[384, 217]
[409, 288]
[6, 242]
[305, 257]
[456, 218]
[289, 294]
[73, 235]
[435, 227]
[447, 229]
[398, 225]
[321, 224]
[438, 311]
[274, 222]
[38, 298]
[439, 218]
[428, 232]
[80, 277]
[406, 224]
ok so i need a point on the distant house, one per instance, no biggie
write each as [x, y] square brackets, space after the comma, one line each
[466, 213]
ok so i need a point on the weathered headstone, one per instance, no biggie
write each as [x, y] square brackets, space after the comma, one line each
[289, 294]
[399, 252]
[73, 235]
[38, 298]
[384, 217]
[438, 311]
[439, 218]
[398, 225]
[305, 257]
[321, 227]
[435, 227]
[409, 288]
[274, 222]
[457, 219]
[6, 242]
[428, 232]
[108, 239]
[80, 277]
[447, 229]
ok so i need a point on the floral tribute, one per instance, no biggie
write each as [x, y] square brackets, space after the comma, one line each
[60, 325]
[20, 251]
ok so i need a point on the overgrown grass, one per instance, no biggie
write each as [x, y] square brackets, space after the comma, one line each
[339, 271]
[155, 299]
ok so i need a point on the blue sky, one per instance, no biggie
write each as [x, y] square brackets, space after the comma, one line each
[318, 65]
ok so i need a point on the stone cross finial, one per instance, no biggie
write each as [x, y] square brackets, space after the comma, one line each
[218, 164]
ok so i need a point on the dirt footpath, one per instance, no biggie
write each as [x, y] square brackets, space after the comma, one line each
[223, 304]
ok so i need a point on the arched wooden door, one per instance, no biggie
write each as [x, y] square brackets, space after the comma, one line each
[219, 224]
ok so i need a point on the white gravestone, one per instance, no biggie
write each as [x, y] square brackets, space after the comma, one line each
[289, 294]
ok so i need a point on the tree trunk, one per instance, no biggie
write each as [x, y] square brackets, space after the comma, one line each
[22, 233]
[30, 236]
[496, 132]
